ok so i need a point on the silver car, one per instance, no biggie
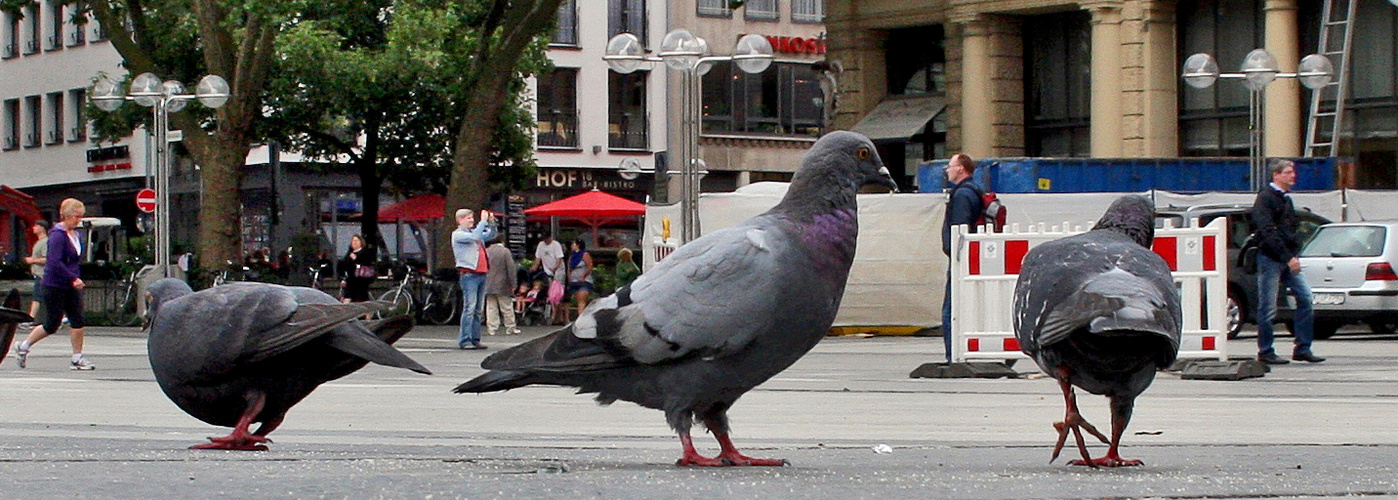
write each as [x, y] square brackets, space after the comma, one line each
[1350, 268]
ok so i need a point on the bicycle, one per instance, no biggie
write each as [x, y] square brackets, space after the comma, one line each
[121, 298]
[433, 301]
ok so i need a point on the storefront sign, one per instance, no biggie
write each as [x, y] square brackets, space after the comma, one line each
[573, 179]
[796, 45]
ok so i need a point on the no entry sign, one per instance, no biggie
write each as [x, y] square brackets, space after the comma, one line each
[145, 200]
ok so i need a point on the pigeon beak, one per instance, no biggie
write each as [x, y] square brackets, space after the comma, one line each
[886, 179]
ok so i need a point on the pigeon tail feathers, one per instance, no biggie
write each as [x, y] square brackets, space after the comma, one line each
[361, 344]
[495, 380]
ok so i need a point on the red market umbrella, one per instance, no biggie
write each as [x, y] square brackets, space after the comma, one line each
[593, 208]
[593, 204]
[422, 207]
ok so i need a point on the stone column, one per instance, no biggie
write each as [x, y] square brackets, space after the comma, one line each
[977, 97]
[1106, 79]
[1150, 114]
[1282, 128]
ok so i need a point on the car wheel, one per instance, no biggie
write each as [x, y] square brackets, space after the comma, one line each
[1234, 317]
[1381, 327]
[1325, 329]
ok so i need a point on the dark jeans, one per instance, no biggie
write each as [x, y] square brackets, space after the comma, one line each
[1271, 276]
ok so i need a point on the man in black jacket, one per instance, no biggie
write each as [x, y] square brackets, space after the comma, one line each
[1274, 224]
[963, 207]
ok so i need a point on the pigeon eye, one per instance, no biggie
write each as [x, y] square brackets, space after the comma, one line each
[862, 153]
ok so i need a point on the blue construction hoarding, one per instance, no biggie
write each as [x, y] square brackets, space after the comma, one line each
[1086, 175]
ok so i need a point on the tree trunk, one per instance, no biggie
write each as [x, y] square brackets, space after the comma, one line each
[474, 139]
[367, 166]
[220, 228]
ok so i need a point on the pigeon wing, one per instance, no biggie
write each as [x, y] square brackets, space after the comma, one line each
[1096, 283]
[709, 298]
[252, 322]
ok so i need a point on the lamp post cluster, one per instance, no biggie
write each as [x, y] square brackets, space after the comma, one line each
[163, 98]
[1259, 68]
[689, 55]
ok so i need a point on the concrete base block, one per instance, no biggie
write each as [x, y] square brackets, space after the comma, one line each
[963, 370]
[1233, 369]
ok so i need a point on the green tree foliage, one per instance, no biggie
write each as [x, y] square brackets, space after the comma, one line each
[367, 81]
[183, 40]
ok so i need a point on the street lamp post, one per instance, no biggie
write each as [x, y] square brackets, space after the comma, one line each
[163, 98]
[689, 55]
[1259, 68]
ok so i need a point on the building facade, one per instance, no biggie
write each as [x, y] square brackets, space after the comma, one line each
[1101, 79]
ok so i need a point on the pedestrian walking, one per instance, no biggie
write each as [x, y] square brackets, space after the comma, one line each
[37, 258]
[1275, 226]
[500, 282]
[358, 269]
[963, 205]
[468, 248]
[63, 287]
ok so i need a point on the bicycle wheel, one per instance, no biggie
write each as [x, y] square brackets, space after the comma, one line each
[441, 304]
[402, 303]
[121, 305]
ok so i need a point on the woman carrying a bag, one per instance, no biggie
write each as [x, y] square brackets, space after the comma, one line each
[359, 270]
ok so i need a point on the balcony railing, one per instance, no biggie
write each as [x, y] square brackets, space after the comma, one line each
[630, 132]
[558, 130]
[77, 134]
[10, 143]
[77, 37]
[11, 50]
[31, 140]
[55, 42]
[31, 46]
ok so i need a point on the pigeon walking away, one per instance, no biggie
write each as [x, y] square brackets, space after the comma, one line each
[721, 315]
[1100, 311]
[241, 353]
[10, 318]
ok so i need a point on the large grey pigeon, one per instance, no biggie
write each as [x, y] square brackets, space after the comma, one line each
[719, 316]
[1100, 311]
[241, 353]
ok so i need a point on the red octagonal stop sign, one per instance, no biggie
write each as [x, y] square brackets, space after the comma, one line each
[145, 200]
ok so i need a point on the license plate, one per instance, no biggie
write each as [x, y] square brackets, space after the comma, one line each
[1328, 298]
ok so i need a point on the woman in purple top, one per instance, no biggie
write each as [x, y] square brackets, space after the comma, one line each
[63, 287]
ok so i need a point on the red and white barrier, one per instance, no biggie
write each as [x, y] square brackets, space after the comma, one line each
[985, 267]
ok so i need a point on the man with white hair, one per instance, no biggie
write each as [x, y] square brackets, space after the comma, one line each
[468, 247]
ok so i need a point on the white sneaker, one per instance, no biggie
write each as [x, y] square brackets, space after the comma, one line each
[21, 354]
[82, 364]
[514, 331]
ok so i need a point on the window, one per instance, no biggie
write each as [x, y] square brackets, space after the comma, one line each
[33, 117]
[627, 124]
[808, 11]
[77, 36]
[713, 8]
[916, 61]
[1214, 120]
[761, 10]
[784, 100]
[77, 101]
[55, 33]
[1058, 90]
[626, 16]
[11, 122]
[98, 32]
[31, 44]
[567, 32]
[54, 134]
[9, 44]
[557, 111]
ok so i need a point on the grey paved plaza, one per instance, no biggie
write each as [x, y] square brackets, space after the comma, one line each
[1302, 431]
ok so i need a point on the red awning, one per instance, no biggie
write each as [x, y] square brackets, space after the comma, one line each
[16, 202]
[422, 207]
[593, 204]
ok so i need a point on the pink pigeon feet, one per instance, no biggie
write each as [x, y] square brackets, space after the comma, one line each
[726, 458]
